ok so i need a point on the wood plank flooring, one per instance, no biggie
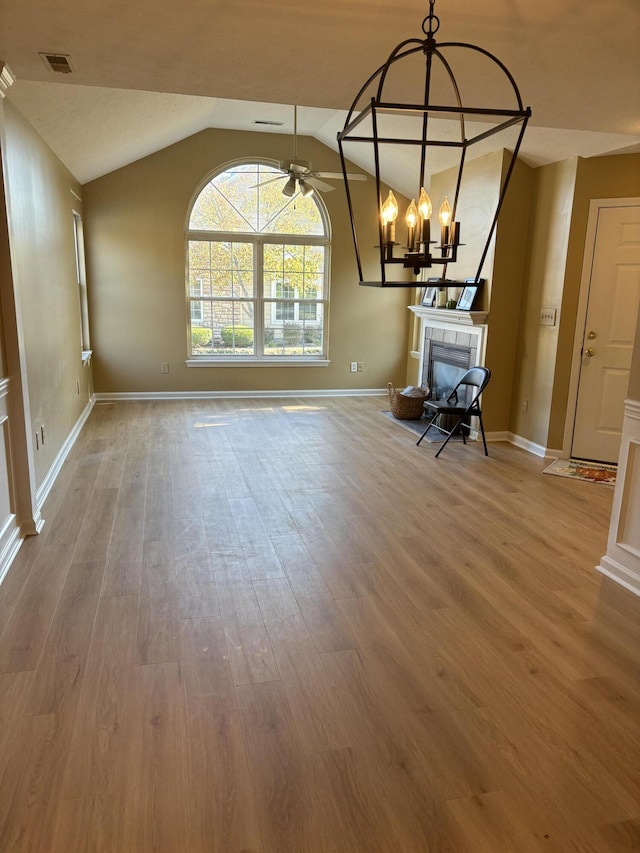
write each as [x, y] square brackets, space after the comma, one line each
[278, 626]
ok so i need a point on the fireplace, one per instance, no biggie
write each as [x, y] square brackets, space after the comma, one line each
[450, 342]
[445, 357]
[447, 363]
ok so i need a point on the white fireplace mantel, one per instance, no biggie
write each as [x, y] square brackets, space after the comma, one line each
[449, 316]
[465, 328]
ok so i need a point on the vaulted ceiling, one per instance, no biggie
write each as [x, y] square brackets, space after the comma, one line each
[148, 73]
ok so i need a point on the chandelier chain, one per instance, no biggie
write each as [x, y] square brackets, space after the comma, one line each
[433, 21]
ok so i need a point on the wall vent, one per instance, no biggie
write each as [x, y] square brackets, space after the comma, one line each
[58, 62]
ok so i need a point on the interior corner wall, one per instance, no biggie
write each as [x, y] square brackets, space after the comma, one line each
[504, 268]
[42, 249]
[535, 375]
[135, 248]
[508, 284]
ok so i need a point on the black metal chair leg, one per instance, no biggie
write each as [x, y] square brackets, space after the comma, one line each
[446, 441]
[427, 429]
[484, 440]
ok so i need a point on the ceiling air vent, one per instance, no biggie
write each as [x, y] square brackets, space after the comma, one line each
[58, 62]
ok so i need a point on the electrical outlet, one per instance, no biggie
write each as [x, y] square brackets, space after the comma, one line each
[164, 367]
[548, 316]
[354, 367]
[360, 366]
[525, 407]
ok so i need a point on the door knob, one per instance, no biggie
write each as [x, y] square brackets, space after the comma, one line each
[590, 352]
[592, 335]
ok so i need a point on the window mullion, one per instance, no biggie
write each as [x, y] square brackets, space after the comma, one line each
[258, 293]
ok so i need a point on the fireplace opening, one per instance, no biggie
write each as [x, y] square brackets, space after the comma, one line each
[447, 363]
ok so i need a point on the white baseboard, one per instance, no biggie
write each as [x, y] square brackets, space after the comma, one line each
[10, 541]
[532, 447]
[47, 484]
[238, 395]
[620, 574]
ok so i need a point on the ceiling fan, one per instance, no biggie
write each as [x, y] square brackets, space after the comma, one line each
[300, 175]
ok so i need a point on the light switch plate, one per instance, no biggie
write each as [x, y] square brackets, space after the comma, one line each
[548, 316]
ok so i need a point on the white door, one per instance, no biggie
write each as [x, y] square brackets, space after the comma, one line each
[612, 309]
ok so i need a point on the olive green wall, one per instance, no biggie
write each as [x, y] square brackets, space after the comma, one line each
[40, 202]
[134, 233]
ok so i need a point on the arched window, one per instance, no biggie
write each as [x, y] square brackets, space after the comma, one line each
[257, 270]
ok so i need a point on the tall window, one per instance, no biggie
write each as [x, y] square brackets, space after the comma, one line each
[78, 235]
[257, 270]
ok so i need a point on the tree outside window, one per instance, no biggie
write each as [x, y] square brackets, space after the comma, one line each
[257, 269]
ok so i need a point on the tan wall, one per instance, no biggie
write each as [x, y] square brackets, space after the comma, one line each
[537, 349]
[617, 176]
[134, 229]
[504, 268]
[44, 273]
[507, 288]
[561, 209]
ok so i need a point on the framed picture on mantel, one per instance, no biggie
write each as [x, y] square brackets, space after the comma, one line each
[467, 297]
[429, 297]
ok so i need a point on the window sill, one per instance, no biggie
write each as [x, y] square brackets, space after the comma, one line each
[86, 357]
[255, 362]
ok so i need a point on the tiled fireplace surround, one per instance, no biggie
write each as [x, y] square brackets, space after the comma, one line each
[451, 326]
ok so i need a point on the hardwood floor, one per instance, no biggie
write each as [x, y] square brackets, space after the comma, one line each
[278, 625]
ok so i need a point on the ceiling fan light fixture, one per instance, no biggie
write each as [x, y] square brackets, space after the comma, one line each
[289, 188]
[305, 188]
[385, 120]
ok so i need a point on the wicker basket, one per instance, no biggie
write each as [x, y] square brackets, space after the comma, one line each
[406, 408]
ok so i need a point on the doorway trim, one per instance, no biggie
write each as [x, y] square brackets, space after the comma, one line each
[595, 206]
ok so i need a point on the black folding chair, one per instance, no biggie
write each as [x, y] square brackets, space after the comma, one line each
[476, 378]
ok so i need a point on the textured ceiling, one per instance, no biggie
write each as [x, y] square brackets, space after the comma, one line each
[577, 65]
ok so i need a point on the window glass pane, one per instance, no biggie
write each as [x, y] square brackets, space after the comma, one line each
[308, 311]
[229, 270]
[227, 328]
[298, 215]
[300, 267]
[288, 332]
[248, 198]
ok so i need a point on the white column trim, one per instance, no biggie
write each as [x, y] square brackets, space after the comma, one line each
[7, 79]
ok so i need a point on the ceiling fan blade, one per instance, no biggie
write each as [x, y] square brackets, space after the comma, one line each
[319, 185]
[339, 175]
[270, 181]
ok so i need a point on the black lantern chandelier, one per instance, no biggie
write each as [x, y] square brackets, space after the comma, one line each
[379, 121]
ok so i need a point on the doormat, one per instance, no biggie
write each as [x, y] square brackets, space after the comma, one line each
[417, 426]
[576, 469]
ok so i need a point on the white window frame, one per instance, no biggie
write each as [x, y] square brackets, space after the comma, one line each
[195, 303]
[81, 277]
[260, 302]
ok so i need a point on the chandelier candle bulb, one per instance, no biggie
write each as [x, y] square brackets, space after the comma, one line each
[389, 216]
[425, 209]
[411, 218]
[445, 218]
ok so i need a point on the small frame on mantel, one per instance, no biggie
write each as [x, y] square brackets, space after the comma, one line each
[429, 296]
[467, 297]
